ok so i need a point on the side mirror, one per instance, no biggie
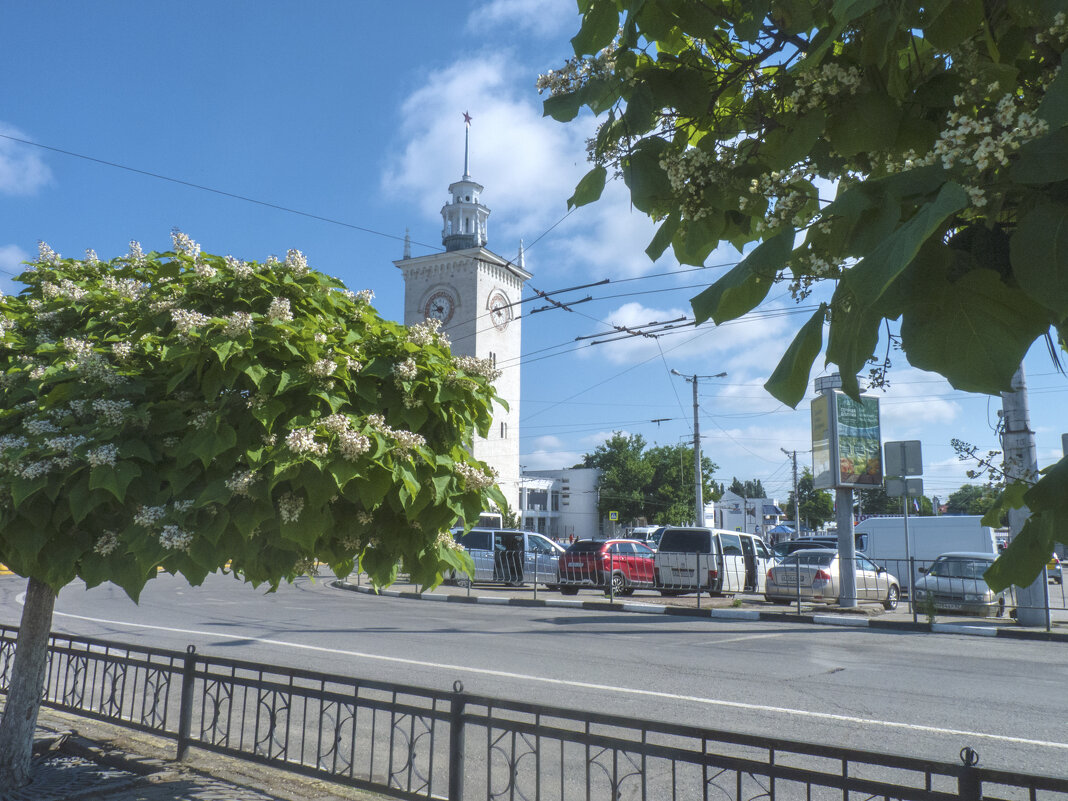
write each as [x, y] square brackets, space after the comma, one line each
[881, 570]
[921, 570]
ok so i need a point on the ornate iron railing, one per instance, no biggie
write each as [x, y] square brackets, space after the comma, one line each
[416, 743]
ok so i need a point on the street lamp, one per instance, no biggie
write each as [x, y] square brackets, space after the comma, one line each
[699, 502]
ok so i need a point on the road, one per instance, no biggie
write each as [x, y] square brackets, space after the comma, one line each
[921, 695]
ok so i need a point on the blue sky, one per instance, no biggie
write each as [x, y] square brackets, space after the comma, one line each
[353, 112]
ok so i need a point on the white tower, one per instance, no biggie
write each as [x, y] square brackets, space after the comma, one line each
[476, 294]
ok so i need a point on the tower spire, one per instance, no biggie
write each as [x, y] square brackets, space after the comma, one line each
[467, 145]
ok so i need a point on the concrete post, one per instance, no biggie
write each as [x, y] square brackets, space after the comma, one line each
[1021, 463]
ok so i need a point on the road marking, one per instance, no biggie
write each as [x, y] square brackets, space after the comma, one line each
[583, 685]
[738, 638]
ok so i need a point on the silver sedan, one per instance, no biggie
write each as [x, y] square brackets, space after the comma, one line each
[954, 583]
[813, 575]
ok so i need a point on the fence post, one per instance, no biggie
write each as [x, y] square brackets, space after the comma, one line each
[185, 710]
[456, 742]
[969, 785]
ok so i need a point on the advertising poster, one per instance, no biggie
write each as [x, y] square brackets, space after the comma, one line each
[859, 453]
[822, 476]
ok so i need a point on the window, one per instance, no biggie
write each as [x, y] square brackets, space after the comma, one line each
[556, 501]
[732, 544]
[504, 430]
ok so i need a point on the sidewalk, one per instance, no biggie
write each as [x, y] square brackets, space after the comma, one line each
[745, 607]
[76, 759]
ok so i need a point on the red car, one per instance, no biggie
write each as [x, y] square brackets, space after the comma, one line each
[590, 563]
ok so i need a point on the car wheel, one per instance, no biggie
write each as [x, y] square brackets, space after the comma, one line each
[892, 596]
[619, 584]
[778, 601]
[463, 583]
[569, 590]
[669, 593]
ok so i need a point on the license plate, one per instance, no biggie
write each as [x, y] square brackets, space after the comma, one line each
[950, 606]
[682, 571]
[574, 564]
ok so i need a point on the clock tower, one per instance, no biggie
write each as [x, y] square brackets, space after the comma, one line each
[475, 294]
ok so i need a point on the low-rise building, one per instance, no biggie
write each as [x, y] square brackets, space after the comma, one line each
[561, 504]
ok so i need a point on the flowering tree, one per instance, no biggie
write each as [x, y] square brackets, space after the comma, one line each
[911, 152]
[181, 411]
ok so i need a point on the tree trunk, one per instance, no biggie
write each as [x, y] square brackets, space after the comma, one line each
[27, 684]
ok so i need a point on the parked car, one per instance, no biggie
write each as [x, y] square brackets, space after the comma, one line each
[954, 583]
[627, 564]
[814, 575]
[1053, 570]
[508, 556]
[710, 559]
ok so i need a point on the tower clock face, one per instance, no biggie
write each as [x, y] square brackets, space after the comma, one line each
[440, 307]
[500, 310]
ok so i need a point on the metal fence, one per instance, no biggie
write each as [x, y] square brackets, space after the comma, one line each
[416, 743]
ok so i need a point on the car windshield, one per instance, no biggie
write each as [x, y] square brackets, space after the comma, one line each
[959, 568]
[808, 559]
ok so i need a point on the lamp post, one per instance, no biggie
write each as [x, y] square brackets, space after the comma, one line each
[699, 503]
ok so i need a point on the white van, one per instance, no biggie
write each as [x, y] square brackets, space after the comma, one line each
[929, 537]
[717, 561]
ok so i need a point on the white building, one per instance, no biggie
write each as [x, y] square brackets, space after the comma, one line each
[754, 515]
[561, 503]
[475, 294]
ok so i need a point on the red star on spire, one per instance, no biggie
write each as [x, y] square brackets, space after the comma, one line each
[467, 118]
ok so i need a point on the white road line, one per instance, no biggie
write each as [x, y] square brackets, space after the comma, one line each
[738, 639]
[801, 713]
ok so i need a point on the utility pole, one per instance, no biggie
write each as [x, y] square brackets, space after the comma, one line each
[699, 503]
[1021, 464]
[797, 498]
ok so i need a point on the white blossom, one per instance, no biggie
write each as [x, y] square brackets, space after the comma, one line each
[175, 539]
[322, 368]
[149, 516]
[279, 311]
[104, 455]
[46, 254]
[352, 444]
[106, 543]
[406, 370]
[239, 268]
[113, 411]
[185, 321]
[302, 440]
[241, 481]
[238, 323]
[296, 263]
[183, 244]
[289, 507]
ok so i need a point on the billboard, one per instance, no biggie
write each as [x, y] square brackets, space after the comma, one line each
[822, 446]
[846, 445]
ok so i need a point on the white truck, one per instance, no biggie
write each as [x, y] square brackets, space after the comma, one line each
[883, 540]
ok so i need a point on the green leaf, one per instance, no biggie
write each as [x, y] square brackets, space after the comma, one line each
[1043, 161]
[650, 189]
[663, 237]
[256, 373]
[954, 23]
[1039, 253]
[599, 26]
[1012, 497]
[1027, 554]
[853, 336]
[562, 108]
[695, 239]
[867, 123]
[871, 276]
[589, 188]
[115, 479]
[23, 488]
[975, 331]
[746, 285]
[1054, 106]
[789, 381]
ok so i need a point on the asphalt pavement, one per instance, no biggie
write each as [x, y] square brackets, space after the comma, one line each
[80, 758]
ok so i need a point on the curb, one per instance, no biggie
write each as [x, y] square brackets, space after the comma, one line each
[819, 619]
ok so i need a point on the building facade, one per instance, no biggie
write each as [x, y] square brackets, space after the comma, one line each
[561, 503]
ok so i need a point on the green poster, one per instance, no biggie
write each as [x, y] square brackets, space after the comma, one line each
[859, 445]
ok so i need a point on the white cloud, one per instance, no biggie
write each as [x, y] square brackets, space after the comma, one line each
[11, 258]
[745, 347]
[540, 17]
[22, 171]
[528, 164]
[913, 401]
